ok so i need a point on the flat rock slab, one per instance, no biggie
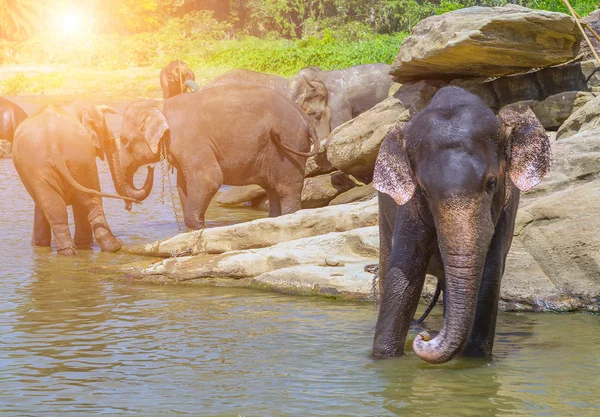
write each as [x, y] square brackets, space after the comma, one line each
[486, 42]
[265, 232]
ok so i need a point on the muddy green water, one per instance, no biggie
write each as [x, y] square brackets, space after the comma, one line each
[73, 343]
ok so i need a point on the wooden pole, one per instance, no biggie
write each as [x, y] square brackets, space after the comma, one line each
[587, 39]
[181, 77]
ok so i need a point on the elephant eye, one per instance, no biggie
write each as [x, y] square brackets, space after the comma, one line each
[490, 185]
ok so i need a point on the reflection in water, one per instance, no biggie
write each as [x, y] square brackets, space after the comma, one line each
[73, 343]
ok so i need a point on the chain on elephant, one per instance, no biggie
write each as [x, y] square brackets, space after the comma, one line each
[164, 171]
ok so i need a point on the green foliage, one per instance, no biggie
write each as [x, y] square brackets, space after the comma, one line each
[33, 84]
[288, 57]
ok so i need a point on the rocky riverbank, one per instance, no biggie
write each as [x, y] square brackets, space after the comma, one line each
[554, 263]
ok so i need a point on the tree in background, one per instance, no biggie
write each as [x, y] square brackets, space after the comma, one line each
[19, 19]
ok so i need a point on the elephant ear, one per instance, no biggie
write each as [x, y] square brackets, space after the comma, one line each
[393, 174]
[528, 148]
[153, 127]
[87, 121]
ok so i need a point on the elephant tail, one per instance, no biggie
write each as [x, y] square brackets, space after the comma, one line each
[436, 295]
[313, 138]
[64, 172]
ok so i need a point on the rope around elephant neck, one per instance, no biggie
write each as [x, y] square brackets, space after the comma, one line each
[164, 173]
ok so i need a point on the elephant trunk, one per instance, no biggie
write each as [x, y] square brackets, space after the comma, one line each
[124, 183]
[463, 243]
[191, 85]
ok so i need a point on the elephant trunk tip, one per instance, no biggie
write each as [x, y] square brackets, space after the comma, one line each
[431, 350]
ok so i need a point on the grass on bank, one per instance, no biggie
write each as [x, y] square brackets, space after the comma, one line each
[68, 70]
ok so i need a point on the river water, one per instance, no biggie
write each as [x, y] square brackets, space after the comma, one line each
[74, 343]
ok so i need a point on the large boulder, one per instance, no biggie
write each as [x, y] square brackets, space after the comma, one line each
[586, 118]
[486, 41]
[554, 110]
[353, 146]
[5, 148]
[319, 191]
[355, 194]
[238, 195]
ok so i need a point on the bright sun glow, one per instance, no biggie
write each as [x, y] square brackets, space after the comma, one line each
[71, 23]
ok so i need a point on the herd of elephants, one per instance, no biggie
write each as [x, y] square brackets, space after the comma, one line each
[448, 180]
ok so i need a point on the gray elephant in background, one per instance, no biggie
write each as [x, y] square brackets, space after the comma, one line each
[177, 77]
[330, 98]
[349, 92]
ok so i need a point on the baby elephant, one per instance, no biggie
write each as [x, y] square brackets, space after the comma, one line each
[54, 153]
[449, 184]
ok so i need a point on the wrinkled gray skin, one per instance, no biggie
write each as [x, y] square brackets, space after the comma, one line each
[176, 78]
[54, 153]
[246, 77]
[449, 184]
[330, 98]
[233, 134]
[11, 116]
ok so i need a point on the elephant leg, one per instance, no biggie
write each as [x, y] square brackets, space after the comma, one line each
[90, 209]
[289, 196]
[274, 203]
[97, 220]
[54, 208]
[42, 233]
[481, 340]
[387, 219]
[83, 230]
[181, 189]
[290, 203]
[404, 279]
[201, 185]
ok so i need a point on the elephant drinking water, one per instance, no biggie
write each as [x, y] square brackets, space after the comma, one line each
[449, 183]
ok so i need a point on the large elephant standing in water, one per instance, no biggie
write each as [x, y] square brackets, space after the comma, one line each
[54, 153]
[233, 134]
[330, 98]
[176, 78]
[449, 184]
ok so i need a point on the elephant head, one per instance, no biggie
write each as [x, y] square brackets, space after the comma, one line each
[461, 163]
[176, 78]
[311, 94]
[144, 125]
[93, 119]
